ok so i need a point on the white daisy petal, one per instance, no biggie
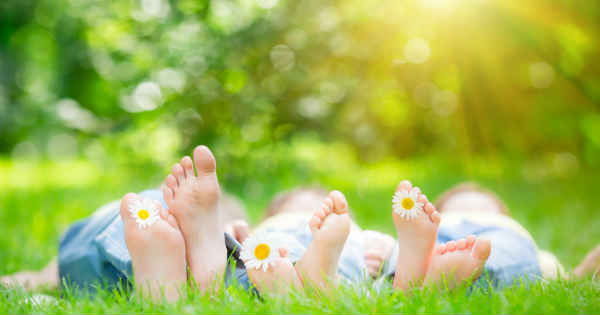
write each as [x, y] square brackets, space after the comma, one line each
[406, 205]
[261, 250]
[144, 211]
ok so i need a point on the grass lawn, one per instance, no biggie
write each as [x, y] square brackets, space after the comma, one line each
[39, 200]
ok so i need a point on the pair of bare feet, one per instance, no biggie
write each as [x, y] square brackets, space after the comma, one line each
[187, 235]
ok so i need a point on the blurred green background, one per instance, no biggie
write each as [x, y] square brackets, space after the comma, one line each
[98, 98]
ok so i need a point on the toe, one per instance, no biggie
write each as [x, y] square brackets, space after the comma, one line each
[470, 240]
[440, 249]
[482, 249]
[428, 208]
[172, 221]
[314, 223]
[461, 244]
[125, 203]
[177, 171]
[204, 160]
[321, 214]
[167, 194]
[283, 252]
[241, 230]
[417, 190]
[162, 212]
[171, 182]
[340, 205]
[188, 166]
[326, 208]
[328, 202]
[422, 199]
[435, 217]
[404, 185]
[451, 246]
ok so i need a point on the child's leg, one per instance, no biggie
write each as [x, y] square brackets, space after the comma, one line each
[46, 278]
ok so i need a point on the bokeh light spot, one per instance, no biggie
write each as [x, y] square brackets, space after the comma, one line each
[283, 57]
[417, 50]
[541, 75]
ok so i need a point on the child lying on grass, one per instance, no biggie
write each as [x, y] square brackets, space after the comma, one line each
[162, 250]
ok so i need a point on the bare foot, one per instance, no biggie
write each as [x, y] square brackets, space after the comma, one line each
[30, 280]
[156, 247]
[590, 264]
[193, 200]
[330, 227]
[458, 262]
[378, 248]
[279, 278]
[416, 236]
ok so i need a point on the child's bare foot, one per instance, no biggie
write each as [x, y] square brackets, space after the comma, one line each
[458, 262]
[330, 227]
[46, 278]
[590, 264]
[378, 248]
[193, 201]
[416, 237]
[157, 250]
[279, 278]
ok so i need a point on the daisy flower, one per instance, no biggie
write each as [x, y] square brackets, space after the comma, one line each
[260, 251]
[406, 205]
[144, 212]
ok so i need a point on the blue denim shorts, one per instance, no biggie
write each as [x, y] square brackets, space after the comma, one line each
[93, 251]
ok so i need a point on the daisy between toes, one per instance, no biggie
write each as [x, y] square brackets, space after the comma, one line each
[406, 203]
[261, 251]
[144, 211]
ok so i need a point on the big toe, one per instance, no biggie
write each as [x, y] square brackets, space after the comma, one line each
[126, 203]
[204, 159]
[482, 249]
[340, 205]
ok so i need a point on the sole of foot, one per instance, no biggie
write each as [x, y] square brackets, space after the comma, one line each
[157, 250]
[458, 262]
[278, 279]
[417, 234]
[330, 226]
[193, 199]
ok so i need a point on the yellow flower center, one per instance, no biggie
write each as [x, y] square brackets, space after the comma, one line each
[143, 214]
[407, 203]
[262, 251]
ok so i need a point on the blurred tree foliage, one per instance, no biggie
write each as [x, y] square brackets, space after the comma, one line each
[387, 77]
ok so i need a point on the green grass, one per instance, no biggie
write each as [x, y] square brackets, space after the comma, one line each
[38, 201]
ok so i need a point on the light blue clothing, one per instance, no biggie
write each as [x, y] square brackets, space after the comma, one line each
[93, 251]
